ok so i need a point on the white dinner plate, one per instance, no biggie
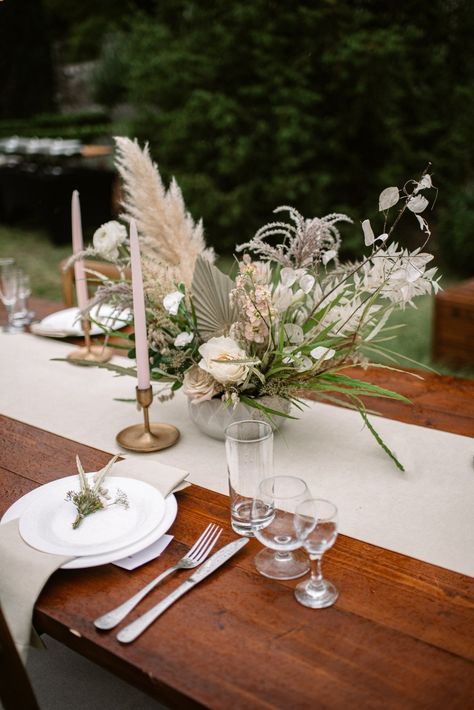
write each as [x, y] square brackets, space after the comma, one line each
[171, 510]
[46, 524]
[67, 322]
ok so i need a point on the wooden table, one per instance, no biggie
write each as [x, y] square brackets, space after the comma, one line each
[400, 636]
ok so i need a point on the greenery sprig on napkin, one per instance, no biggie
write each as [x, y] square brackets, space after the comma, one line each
[91, 498]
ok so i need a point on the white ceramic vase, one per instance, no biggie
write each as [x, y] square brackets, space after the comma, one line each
[213, 416]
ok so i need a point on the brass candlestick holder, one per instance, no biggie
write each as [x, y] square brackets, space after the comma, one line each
[90, 353]
[147, 437]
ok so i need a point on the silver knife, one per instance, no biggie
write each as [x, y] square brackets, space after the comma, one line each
[132, 631]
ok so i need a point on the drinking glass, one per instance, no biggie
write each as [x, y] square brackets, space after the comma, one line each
[273, 512]
[9, 292]
[316, 528]
[249, 451]
[21, 315]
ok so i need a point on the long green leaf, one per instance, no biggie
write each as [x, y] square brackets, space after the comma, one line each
[256, 404]
[344, 403]
[131, 371]
[403, 357]
[352, 382]
[381, 366]
[380, 441]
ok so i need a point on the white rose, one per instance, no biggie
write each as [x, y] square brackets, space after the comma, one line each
[108, 238]
[217, 355]
[198, 385]
[171, 302]
[183, 339]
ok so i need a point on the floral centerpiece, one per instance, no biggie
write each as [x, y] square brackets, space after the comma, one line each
[292, 320]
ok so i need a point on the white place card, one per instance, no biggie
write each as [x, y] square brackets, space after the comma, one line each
[149, 553]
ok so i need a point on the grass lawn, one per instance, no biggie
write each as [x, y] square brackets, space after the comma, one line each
[40, 259]
[34, 253]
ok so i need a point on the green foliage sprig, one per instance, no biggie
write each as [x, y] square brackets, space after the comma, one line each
[93, 497]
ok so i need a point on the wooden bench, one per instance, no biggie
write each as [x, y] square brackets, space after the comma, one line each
[453, 325]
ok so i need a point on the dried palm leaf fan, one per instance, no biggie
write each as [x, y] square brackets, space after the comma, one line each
[210, 291]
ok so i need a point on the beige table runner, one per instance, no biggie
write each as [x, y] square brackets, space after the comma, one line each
[426, 512]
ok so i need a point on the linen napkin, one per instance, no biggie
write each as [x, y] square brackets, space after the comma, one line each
[38, 329]
[25, 570]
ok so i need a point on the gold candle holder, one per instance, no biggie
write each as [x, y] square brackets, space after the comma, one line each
[90, 353]
[147, 437]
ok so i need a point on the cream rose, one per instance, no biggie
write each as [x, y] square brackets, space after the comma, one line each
[199, 385]
[108, 238]
[217, 355]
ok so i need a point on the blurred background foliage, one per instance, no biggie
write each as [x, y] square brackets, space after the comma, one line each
[316, 103]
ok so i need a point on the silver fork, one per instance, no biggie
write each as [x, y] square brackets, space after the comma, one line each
[197, 554]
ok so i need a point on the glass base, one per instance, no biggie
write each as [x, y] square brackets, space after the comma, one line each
[316, 597]
[240, 516]
[11, 328]
[282, 565]
[23, 318]
[242, 528]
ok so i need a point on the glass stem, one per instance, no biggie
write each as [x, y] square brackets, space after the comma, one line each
[316, 579]
[9, 309]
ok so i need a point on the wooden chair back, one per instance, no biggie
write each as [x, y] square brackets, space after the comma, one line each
[68, 282]
[15, 687]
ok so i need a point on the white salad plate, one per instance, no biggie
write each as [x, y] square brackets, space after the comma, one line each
[171, 510]
[46, 523]
[67, 323]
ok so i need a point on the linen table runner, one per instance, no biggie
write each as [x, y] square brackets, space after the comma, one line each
[425, 512]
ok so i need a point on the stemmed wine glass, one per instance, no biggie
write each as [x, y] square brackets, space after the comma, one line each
[272, 519]
[316, 528]
[22, 316]
[9, 292]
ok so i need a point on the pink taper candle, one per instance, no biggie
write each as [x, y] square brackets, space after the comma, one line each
[141, 340]
[78, 246]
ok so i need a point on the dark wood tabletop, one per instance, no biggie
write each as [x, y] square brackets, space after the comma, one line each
[401, 634]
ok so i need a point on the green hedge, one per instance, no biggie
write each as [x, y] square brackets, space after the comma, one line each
[84, 126]
[314, 104]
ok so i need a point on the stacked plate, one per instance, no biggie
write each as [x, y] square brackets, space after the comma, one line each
[67, 323]
[46, 518]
